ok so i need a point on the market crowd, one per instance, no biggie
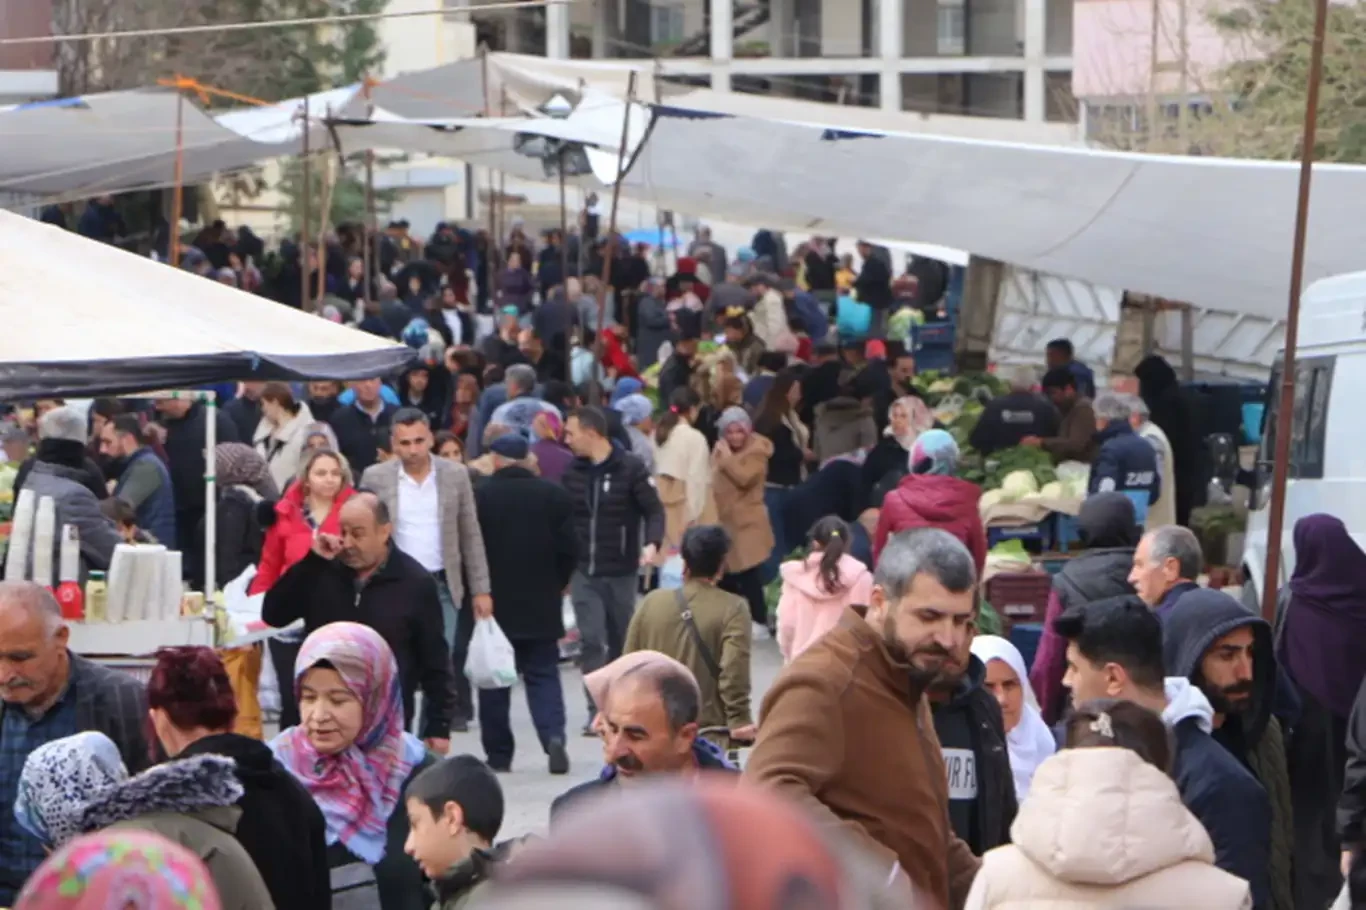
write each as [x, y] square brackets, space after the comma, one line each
[736, 452]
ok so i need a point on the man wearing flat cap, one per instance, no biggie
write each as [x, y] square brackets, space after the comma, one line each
[528, 526]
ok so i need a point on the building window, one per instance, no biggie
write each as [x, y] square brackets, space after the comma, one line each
[666, 24]
[950, 30]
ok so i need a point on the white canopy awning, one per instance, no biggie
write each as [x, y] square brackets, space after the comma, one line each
[83, 318]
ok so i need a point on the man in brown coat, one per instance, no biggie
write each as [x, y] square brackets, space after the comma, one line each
[1076, 439]
[846, 730]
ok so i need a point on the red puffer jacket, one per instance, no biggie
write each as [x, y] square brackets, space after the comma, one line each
[291, 537]
[934, 501]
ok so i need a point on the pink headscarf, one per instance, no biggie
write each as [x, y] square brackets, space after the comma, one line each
[359, 788]
[121, 868]
[919, 415]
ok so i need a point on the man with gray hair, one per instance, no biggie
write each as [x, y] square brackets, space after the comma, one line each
[1124, 463]
[1166, 565]
[650, 708]
[846, 729]
[1011, 417]
[1161, 511]
[54, 474]
[47, 693]
[522, 406]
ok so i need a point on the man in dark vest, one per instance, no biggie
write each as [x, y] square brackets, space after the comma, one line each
[143, 480]
[1109, 533]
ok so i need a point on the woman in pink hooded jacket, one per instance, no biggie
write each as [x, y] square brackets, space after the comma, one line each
[817, 589]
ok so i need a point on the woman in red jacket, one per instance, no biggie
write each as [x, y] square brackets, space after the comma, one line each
[931, 497]
[311, 504]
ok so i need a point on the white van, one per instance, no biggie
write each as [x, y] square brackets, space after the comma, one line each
[1328, 432]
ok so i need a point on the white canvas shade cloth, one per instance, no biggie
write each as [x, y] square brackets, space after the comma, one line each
[83, 318]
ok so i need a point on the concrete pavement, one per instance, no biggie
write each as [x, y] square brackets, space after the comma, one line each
[530, 788]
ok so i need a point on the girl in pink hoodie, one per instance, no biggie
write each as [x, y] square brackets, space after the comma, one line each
[817, 589]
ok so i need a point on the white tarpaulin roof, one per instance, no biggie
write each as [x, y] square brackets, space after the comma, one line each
[83, 318]
[1209, 231]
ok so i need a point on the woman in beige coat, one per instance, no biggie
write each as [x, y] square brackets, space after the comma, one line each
[682, 471]
[739, 468]
[1104, 827]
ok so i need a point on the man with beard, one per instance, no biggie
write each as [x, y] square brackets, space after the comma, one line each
[847, 733]
[143, 480]
[972, 735]
[649, 725]
[1226, 650]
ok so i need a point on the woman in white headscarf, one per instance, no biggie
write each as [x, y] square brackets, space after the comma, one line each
[1027, 736]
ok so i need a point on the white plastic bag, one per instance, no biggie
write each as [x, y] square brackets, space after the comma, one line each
[491, 663]
[671, 573]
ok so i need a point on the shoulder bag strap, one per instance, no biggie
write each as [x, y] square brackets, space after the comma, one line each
[696, 633]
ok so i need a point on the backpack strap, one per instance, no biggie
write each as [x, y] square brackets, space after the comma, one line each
[686, 613]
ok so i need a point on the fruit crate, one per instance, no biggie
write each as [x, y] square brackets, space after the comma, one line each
[1020, 597]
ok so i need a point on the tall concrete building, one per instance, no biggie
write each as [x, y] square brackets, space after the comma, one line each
[27, 71]
[994, 58]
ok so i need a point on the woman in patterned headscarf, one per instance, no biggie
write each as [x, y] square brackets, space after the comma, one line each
[351, 753]
[123, 869]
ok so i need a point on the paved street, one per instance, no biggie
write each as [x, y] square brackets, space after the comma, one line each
[530, 788]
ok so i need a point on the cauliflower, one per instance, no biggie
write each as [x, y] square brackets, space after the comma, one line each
[1054, 490]
[989, 499]
[1018, 484]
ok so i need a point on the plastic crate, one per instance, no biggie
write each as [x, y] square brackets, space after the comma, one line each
[1037, 536]
[1020, 597]
[1025, 637]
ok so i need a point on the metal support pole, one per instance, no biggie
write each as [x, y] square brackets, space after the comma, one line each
[305, 298]
[1284, 414]
[369, 241]
[177, 198]
[210, 493]
[611, 252]
[564, 227]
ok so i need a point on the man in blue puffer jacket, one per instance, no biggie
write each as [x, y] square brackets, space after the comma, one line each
[1125, 462]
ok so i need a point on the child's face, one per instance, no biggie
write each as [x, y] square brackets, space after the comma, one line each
[436, 843]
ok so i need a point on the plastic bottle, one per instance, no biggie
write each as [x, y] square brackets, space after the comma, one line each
[96, 598]
[69, 593]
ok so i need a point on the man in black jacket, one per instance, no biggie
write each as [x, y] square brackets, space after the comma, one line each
[245, 409]
[184, 424]
[873, 286]
[1010, 418]
[613, 494]
[360, 426]
[521, 516]
[1114, 650]
[972, 736]
[362, 577]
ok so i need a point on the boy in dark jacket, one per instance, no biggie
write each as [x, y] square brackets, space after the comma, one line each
[1115, 650]
[455, 808]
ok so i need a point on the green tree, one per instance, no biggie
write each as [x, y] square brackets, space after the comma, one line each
[1265, 85]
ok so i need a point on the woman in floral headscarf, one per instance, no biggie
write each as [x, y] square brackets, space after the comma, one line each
[352, 755]
[126, 870]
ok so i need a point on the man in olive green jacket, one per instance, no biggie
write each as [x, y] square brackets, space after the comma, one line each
[705, 629]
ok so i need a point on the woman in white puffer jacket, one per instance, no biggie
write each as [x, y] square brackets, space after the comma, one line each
[1104, 827]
